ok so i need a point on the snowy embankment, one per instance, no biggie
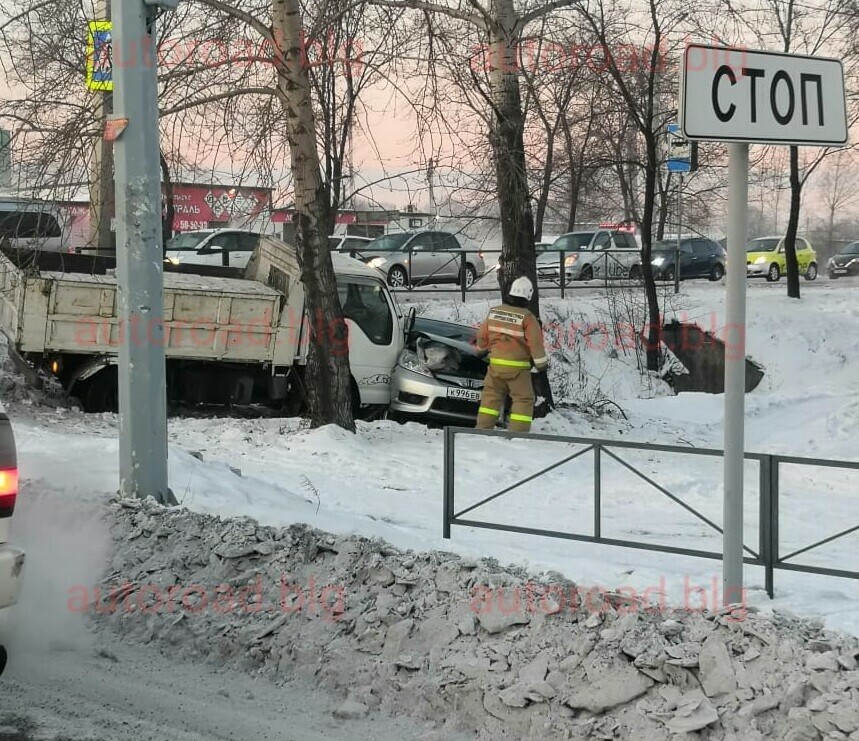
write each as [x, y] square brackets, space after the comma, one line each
[463, 643]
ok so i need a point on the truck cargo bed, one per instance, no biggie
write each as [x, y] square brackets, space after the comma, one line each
[59, 303]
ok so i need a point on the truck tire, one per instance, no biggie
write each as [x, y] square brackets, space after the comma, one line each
[100, 392]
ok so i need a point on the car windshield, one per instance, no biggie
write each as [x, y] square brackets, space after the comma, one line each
[388, 243]
[187, 241]
[768, 244]
[573, 242]
[850, 249]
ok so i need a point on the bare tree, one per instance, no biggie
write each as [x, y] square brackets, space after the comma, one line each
[635, 47]
[839, 188]
[799, 28]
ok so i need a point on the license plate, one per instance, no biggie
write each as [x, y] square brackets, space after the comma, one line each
[840, 271]
[469, 394]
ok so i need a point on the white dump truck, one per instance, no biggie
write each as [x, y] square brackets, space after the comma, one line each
[231, 335]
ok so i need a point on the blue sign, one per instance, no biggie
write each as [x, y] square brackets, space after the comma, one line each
[679, 151]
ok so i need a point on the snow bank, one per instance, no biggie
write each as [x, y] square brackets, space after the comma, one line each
[465, 643]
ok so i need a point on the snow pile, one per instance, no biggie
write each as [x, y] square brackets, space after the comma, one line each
[464, 642]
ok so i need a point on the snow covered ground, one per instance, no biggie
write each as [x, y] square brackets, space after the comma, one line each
[387, 480]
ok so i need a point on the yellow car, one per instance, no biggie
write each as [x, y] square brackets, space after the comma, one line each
[765, 258]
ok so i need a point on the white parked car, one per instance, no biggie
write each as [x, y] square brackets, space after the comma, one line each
[227, 247]
[587, 255]
[11, 559]
[30, 224]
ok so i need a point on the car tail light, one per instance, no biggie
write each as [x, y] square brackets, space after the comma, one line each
[8, 491]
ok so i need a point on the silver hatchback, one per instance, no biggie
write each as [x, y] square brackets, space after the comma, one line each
[423, 258]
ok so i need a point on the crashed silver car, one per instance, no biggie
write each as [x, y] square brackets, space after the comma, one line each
[439, 374]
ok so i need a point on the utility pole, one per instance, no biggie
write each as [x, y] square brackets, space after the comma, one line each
[139, 267]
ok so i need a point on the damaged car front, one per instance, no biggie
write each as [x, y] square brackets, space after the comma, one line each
[439, 375]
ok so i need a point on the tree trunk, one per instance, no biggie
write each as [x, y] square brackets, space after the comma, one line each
[654, 323]
[517, 222]
[664, 191]
[169, 214]
[328, 379]
[792, 226]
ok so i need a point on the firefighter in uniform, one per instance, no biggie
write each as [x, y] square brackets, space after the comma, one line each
[513, 336]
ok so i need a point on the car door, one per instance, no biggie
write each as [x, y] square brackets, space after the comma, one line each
[246, 244]
[803, 254]
[688, 259]
[375, 338]
[599, 258]
[215, 251]
[705, 254]
[450, 254]
[425, 260]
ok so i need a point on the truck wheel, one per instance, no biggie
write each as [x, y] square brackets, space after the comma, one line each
[774, 273]
[587, 273]
[100, 393]
[811, 273]
[397, 277]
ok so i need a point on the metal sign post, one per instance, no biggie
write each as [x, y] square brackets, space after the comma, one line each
[139, 265]
[741, 97]
[680, 161]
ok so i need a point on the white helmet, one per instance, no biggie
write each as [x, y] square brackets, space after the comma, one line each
[523, 288]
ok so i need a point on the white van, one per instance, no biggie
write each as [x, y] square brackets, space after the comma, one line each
[30, 224]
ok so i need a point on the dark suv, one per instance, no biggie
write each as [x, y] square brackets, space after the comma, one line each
[699, 258]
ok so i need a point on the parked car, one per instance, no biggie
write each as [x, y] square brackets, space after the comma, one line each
[229, 247]
[699, 258]
[425, 257]
[845, 262]
[765, 258]
[588, 255]
[348, 243]
[11, 559]
[30, 224]
[439, 374]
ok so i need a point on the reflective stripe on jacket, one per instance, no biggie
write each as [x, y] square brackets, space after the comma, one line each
[514, 338]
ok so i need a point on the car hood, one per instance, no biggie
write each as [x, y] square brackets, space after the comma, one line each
[452, 346]
[844, 259]
[752, 256]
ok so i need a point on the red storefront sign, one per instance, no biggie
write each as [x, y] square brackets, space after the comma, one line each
[198, 205]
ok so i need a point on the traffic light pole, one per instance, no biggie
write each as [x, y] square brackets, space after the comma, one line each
[142, 386]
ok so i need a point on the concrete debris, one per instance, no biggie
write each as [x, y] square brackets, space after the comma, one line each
[465, 643]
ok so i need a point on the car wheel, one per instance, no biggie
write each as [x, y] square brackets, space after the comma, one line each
[718, 272]
[811, 273]
[397, 277]
[587, 273]
[470, 276]
[832, 276]
[669, 273]
[774, 273]
[635, 273]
